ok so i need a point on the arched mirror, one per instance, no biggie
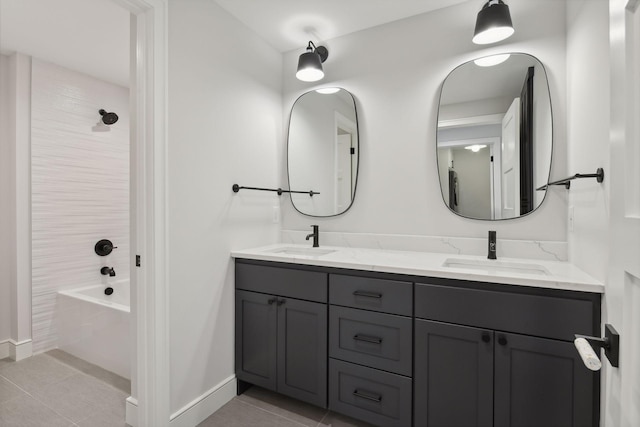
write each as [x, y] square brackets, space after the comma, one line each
[323, 151]
[495, 137]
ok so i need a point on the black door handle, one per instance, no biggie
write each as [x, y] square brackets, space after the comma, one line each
[502, 340]
[281, 301]
[270, 301]
[369, 396]
[486, 337]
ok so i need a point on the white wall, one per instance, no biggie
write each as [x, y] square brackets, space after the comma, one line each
[225, 110]
[396, 91]
[79, 188]
[5, 206]
[588, 132]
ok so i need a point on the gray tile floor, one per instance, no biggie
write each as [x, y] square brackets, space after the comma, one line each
[258, 407]
[57, 389]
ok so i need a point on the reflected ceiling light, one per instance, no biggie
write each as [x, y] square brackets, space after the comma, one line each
[475, 147]
[310, 63]
[493, 23]
[490, 61]
[328, 90]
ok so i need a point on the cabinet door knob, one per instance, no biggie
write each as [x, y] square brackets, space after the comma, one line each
[281, 301]
[270, 301]
[486, 336]
[502, 340]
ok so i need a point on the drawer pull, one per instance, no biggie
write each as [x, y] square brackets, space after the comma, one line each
[369, 396]
[367, 294]
[366, 338]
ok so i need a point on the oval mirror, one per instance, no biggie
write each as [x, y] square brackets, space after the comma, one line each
[495, 137]
[323, 151]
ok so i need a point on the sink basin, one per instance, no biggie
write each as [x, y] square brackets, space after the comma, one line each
[308, 252]
[496, 266]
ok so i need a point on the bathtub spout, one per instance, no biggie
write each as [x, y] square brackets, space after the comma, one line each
[108, 270]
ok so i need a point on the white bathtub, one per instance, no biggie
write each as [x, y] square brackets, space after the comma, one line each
[95, 327]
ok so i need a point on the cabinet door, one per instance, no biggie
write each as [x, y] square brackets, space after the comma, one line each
[453, 375]
[256, 317]
[302, 350]
[541, 382]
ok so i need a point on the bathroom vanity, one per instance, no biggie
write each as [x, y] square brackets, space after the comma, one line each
[404, 338]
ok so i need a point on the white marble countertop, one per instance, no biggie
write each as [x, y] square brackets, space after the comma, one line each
[511, 271]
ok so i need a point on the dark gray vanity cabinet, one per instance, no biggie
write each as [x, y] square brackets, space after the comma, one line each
[371, 349]
[492, 357]
[281, 341]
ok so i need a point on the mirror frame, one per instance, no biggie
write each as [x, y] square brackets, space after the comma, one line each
[546, 75]
[355, 187]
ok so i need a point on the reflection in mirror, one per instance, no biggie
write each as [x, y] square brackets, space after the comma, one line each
[323, 151]
[495, 137]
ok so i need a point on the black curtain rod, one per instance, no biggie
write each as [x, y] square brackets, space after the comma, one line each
[599, 176]
[237, 188]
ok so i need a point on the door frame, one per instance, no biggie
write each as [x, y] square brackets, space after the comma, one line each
[149, 404]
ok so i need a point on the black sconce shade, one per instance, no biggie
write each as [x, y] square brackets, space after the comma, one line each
[493, 23]
[310, 63]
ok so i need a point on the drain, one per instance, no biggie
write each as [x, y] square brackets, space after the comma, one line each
[108, 291]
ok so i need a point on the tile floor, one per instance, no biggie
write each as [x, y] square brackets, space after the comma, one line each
[258, 407]
[56, 389]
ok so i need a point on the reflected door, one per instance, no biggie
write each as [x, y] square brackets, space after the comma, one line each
[511, 161]
[343, 172]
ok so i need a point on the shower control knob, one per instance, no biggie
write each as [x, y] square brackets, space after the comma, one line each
[104, 247]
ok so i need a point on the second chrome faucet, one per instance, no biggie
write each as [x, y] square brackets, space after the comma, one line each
[315, 235]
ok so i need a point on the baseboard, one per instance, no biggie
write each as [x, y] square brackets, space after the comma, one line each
[16, 350]
[131, 412]
[199, 409]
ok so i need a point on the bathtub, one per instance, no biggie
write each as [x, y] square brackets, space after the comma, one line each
[95, 327]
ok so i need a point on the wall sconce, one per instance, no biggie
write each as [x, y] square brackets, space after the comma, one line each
[493, 23]
[310, 63]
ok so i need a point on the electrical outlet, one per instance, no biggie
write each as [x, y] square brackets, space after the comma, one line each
[570, 218]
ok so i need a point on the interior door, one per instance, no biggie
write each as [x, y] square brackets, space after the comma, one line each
[622, 402]
[511, 161]
[343, 171]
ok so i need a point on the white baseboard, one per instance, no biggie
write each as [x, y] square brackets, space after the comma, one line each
[16, 350]
[199, 409]
[131, 412]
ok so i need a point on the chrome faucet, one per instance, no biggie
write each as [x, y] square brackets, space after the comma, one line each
[315, 235]
[492, 245]
[108, 270]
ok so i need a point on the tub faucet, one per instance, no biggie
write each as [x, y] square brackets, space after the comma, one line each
[108, 270]
[492, 245]
[315, 236]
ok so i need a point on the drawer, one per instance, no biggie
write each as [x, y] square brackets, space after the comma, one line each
[370, 395]
[301, 284]
[387, 296]
[543, 316]
[382, 341]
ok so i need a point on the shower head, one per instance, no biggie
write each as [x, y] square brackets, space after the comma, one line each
[108, 118]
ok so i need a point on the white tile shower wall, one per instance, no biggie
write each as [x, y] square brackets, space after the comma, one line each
[80, 187]
[531, 249]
